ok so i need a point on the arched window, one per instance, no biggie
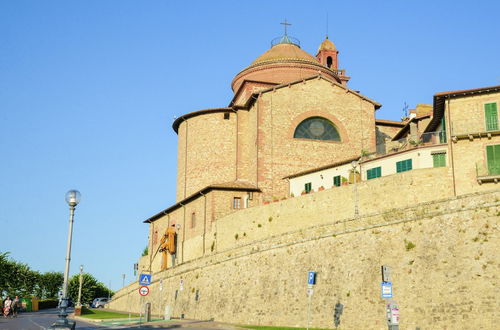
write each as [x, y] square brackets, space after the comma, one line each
[317, 128]
[329, 62]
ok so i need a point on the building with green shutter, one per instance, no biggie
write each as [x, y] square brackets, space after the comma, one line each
[460, 131]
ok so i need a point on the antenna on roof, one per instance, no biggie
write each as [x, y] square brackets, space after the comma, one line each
[327, 25]
[405, 111]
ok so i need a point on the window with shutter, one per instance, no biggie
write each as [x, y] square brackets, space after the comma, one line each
[493, 156]
[374, 173]
[439, 160]
[336, 181]
[491, 116]
[308, 187]
[403, 166]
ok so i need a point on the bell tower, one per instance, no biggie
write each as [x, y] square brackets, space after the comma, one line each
[328, 56]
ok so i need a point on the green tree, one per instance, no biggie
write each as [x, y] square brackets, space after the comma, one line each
[49, 284]
[19, 279]
[16, 278]
[91, 288]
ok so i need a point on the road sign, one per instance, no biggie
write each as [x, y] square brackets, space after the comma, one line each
[145, 279]
[386, 290]
[311, 278]
[143, 290]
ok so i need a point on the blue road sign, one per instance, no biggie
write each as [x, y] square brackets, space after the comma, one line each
[145, 279]
[386, 290]
[311, 278]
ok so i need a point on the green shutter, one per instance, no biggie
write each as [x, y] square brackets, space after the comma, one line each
[307, 187]
[442, 134]
[336, 181]
[374, 173]
[439, 160]
[404, 165]
[493, 156]
[491, 116]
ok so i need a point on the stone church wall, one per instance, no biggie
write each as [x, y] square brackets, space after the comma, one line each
[209, 143]
[281, 111]
[442, 250]
[443, 255]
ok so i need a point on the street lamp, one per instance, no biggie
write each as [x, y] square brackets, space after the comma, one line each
[354, 165]
[79, 303]
[72, 198]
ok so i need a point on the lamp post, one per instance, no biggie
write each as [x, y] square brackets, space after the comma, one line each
[354, 165]
[79, 303]
[72, 198]
[123, 280]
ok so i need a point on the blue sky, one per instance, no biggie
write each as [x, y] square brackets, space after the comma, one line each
[89, 90]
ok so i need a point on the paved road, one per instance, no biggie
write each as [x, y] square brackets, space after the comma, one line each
[42, 320]
[36, 321]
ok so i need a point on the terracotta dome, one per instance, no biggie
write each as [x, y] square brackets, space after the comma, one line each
[284, 62]
[327, 45]
[284, 52]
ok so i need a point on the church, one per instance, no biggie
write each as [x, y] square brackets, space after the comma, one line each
[297, 162]
[292, 114]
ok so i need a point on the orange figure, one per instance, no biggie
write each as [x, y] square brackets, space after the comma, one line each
[167, 245]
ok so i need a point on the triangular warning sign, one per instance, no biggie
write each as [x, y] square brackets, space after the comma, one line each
[145, 279]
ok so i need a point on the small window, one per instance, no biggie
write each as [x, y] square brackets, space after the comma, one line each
[308, 187]
[439, 160]
[236, 203]
[404, 165]
[491, 114]
[336, 181]
[373, 173]
[227, 115]
[193, 220]
[493, 156]
[317, 128]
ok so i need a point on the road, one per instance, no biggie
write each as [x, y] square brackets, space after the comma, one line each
[43, 319]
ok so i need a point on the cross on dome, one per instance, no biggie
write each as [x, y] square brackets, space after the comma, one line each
[285, 23]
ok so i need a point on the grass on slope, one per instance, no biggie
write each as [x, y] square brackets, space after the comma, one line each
[103, 315]
[275, 328]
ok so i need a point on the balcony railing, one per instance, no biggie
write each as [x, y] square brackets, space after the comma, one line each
[465, 128]
[487, 173]
[407, 143]
[338, 72]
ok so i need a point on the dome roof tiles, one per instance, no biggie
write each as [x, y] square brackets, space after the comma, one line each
[327, 45]
[284, 52]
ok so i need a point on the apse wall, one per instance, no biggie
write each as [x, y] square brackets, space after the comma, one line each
[206, 151]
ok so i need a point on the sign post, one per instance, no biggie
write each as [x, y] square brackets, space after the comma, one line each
[392, 309]
[145, 279]
[311, 280]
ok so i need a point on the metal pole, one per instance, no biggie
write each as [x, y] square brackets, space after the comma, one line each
[79, 304]
[309, 310]
[62, 321]
[68, 252]
[123, 280]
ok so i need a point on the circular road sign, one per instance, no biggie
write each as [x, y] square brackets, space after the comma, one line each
[144, 290]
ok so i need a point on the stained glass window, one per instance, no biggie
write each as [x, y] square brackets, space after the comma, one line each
[317, 128]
